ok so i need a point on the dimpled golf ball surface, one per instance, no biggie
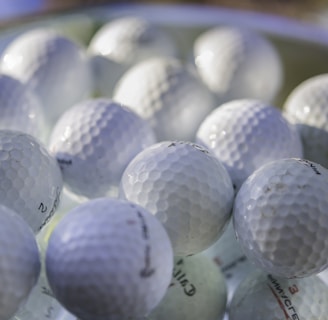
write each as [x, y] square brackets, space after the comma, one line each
[169, 96]
[20, 263]
[264, 296]
[109, 259]
[187, 189]
[238, 63]
[197, 291]
[30, 178]
[52, 66]
[281, 218]
[94, 141]
[307, 107]
[245, 134]
[20, 108]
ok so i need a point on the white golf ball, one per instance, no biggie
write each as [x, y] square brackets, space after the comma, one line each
[187, 189]
[53, 66]
[121, 43]
[30, 178]
[20, 262]
[197, 291]
[264, 296]
[246, 134]
[168, 95]
[307, 107]
[238, 63]
[281, 218]
[94, 141]
[20, 108]
[109, 259]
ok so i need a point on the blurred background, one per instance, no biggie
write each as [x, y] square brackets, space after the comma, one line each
[301, 9]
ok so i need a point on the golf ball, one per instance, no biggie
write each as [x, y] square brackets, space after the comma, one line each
[245, 134]
[197, 291]
[30, 178]
[281, 218]
[264, 296]
[20, 108]
[187, 189]
[109, 259]
[52, 65]
[94, 141]
[238, 63]
[169, 96]
[307, 107]
[20, 262]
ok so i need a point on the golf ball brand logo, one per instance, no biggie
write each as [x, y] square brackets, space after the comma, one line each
[310, 165]
[147, 271]
[283, 298]
[188, 288]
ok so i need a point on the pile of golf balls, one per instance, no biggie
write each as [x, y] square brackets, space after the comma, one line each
[139, 185]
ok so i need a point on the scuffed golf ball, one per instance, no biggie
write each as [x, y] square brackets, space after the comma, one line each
[281, 218]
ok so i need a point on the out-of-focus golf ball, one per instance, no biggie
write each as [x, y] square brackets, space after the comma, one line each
[264, 296]
[20, 262]
[168, 95]
[246, 134]
[30, 178]
[307, 108]
[238, 63]
[52, 65]
[187, 189]
[281, 218]
[20, 108]
[197, 291]
[109, 259]
[94, 141]
[121, 43]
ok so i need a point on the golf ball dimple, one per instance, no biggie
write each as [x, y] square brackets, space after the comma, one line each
[52, 66]
[264, 296]
[169, 96]
[109, 259]
[307, 107]
[20, 108]
[238, 63]
[186, 188]
[245, 134]
[30, 178]
[281, 219]
[197, 291]
[94, 141]
[20, 262]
